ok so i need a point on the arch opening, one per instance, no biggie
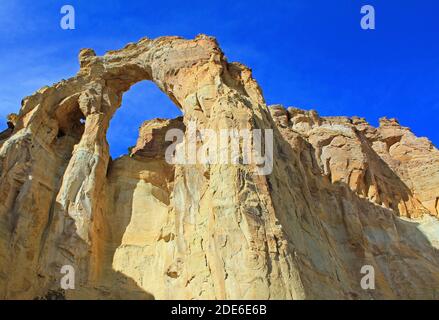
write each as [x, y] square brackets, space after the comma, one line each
[143, 101]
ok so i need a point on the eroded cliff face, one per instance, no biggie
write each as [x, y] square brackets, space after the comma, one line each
[341, 194]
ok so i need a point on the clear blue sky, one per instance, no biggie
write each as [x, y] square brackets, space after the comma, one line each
[304, 53]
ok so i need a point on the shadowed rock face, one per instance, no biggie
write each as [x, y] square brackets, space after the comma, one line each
[341, 195]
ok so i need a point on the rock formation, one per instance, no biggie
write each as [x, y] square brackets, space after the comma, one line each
[341, 194]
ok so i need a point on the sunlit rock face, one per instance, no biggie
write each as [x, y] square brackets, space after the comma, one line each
[341, 194]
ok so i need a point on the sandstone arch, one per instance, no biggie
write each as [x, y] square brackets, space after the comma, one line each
[140, 225]
[194, 74]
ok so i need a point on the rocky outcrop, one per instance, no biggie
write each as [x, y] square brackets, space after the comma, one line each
[377, 164]
[341, 194]
[12, 118]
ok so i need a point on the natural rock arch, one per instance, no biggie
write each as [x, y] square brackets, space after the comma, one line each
[193, 74]
[140, 226]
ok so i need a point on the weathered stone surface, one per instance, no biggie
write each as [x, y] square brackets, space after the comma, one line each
[351, 152]
[342, 194]
[152, 137]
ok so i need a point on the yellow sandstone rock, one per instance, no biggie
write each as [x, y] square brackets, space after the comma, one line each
[341, 195]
